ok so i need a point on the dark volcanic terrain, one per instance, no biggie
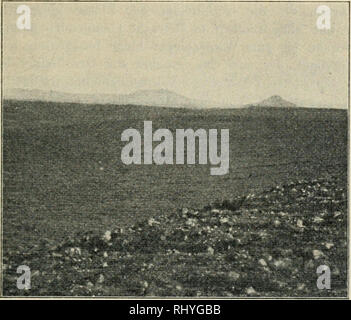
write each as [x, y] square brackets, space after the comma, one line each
[267, 225]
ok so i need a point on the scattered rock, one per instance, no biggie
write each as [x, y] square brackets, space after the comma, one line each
[317, 254]
[262, 262]
[234, 275]
[300, 223]
[251, 291]
[207, 252]
[101, 278]
[107, 236]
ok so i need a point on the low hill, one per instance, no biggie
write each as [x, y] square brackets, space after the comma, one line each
[273, 101]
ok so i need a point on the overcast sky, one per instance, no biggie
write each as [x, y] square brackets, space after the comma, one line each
[229, 52]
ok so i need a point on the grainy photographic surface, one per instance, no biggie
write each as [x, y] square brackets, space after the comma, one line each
[175, 149]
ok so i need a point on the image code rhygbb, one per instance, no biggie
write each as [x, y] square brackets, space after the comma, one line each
[175, 149]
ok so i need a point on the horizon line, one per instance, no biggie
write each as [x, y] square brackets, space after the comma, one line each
[224, 104]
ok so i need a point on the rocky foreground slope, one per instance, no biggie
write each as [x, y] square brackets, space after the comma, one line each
[260, 245]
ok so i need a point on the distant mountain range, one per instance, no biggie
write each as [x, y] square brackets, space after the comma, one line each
[157, 98]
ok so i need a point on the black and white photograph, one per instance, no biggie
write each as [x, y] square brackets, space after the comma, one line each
[175, 149]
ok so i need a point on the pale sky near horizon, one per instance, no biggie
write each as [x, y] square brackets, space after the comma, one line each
[228, 52]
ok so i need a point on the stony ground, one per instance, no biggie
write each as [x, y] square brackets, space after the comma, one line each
[268, 244]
